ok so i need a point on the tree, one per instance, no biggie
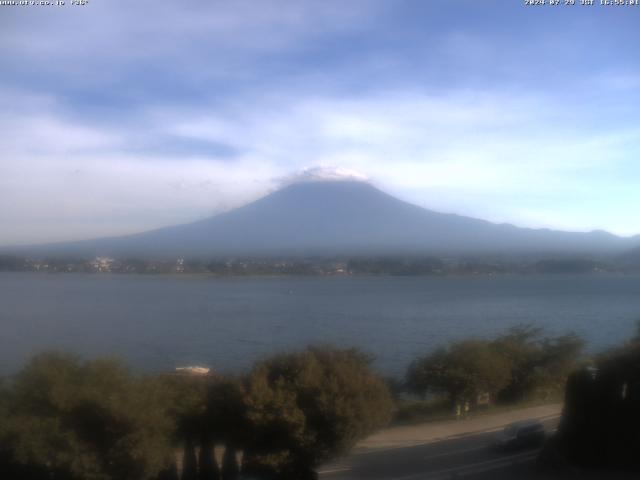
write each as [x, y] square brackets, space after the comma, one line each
[539, 364]
[187, 400]
[225, 422]
[600, 422]
[521, 347]
[86, 420]
[636, 337]
[230, 469]
[462, 371]
[207, 467]
[189, 461]
[225, 414]
[306, 407]
[560, 356]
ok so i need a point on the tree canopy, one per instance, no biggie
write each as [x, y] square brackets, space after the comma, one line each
[308, 406]
[62, 418]
[462, 371]
[520, 363]
[85, 420]
[539, 364]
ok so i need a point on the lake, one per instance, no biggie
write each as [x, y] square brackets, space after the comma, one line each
[159, 322]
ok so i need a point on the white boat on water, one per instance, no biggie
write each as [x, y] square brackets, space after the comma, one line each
[194, 370]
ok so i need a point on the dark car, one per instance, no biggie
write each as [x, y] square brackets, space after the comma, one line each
[521, 435]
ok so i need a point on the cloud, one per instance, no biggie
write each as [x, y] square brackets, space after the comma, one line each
[323, 173]
[130, 49]
[167, 112]
[483, 147]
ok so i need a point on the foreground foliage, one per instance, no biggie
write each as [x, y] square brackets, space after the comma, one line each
[309, 406]
[520, 364]
[462, 371]
[66, 419]
[600, 425]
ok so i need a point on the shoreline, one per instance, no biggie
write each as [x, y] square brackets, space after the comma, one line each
[616, 273]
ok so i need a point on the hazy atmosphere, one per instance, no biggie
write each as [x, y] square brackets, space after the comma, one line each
[121, 116]
[319, 240]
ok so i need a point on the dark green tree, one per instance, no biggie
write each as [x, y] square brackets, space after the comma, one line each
[636, 337]
[189, 461]
[86, 420]
[169, 473]
[559, 357]
[462, 371]
[521, 346]
[207, 467]
[187, 396]
[600, 422]
[187, 399]
[540, 364]
[230, 468]
[304, 408]
[225, 414]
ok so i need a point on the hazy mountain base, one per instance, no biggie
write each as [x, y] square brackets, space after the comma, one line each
[336, 218]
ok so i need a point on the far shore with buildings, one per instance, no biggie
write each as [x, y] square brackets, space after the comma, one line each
[315, 266]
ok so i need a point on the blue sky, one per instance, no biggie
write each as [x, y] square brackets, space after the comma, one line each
[121, 116]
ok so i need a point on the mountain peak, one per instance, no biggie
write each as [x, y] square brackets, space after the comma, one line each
[324, 173]
[334, 211]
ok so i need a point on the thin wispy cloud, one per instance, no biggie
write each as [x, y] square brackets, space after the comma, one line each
[166, 113]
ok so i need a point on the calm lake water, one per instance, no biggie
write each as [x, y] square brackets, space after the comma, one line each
[159, 322]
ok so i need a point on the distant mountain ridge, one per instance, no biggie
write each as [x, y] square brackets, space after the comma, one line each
[630, 257]
[338, 217]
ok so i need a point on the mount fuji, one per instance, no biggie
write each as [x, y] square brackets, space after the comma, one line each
[343, 214]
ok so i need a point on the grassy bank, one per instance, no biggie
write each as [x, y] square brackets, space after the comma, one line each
[412, 412]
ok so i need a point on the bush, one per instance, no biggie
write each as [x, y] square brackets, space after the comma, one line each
[463, 371]
[539, 365]
[516, 366]
[84, 420]
[304, 408]
[600, 425]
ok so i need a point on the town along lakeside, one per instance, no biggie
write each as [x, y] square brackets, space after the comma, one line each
[311, 266]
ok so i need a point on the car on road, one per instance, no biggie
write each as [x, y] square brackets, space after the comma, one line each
[521, 435]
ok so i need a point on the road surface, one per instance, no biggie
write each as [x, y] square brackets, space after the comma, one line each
[469, 456]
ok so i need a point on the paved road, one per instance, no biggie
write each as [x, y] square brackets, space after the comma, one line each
[468, 457]
[420, 434]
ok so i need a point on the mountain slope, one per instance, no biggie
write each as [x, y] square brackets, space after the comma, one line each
[630, 258]
[339, 217]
